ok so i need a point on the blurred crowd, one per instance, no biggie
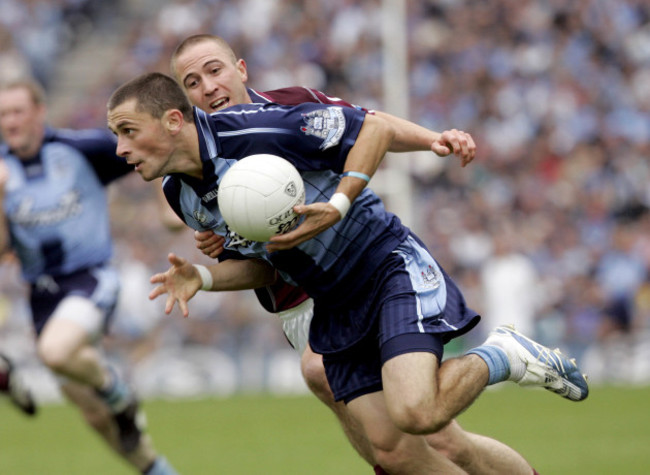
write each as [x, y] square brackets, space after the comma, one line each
[548, 228]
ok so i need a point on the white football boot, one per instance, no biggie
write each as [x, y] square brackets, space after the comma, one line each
[544, 367]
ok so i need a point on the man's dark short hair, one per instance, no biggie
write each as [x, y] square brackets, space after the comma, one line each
[155, 94]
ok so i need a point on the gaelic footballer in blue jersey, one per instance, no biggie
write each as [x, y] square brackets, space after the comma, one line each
[383, 306]
[56, 220]
[213, 78]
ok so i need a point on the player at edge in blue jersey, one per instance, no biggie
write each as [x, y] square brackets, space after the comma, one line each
[213, 78]
[383, 307]
[56, 220]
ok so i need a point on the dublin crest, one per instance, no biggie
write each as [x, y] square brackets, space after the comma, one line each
[327, 124]
[431, 278]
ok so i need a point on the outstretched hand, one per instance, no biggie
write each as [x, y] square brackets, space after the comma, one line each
[317, 218]
[180, 282]
[457, 142]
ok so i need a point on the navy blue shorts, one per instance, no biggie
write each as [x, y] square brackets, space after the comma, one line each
[416, 308]
[98, 284]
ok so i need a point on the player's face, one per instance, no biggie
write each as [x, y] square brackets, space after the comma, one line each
[141, 139]
[21, 121]
[211, 78]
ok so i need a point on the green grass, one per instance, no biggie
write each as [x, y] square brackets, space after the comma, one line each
[608, 433]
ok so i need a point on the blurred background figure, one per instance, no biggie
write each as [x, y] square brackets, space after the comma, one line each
[509, 280]
[55, 221]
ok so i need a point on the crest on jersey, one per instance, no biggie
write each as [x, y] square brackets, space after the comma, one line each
[327, 124]
[431, 278]
[201, 217]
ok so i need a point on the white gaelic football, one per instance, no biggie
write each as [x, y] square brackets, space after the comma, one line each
[257, 195]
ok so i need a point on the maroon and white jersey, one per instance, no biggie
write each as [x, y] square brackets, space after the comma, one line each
[292, 96]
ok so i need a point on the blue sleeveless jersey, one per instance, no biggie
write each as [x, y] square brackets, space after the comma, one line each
[316, 138]
[56, 202]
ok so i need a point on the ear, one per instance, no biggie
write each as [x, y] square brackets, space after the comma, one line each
[242, 69]
[173, 121]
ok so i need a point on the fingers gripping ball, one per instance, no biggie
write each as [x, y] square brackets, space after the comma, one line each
[257, 195]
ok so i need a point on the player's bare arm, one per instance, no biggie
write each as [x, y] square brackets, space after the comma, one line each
[410, 137]
[374, 140]
[182, 280]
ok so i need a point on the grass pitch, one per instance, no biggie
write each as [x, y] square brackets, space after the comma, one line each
[608, 433]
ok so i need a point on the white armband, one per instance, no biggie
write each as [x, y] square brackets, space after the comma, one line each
[206, 276]
[341, 202]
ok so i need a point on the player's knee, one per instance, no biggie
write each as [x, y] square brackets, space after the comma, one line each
[389, 461]
[393, 454]
[442, 444]
[418, 418]
[52, 355]
[451, 442]
[385, 446]
[313, 372]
